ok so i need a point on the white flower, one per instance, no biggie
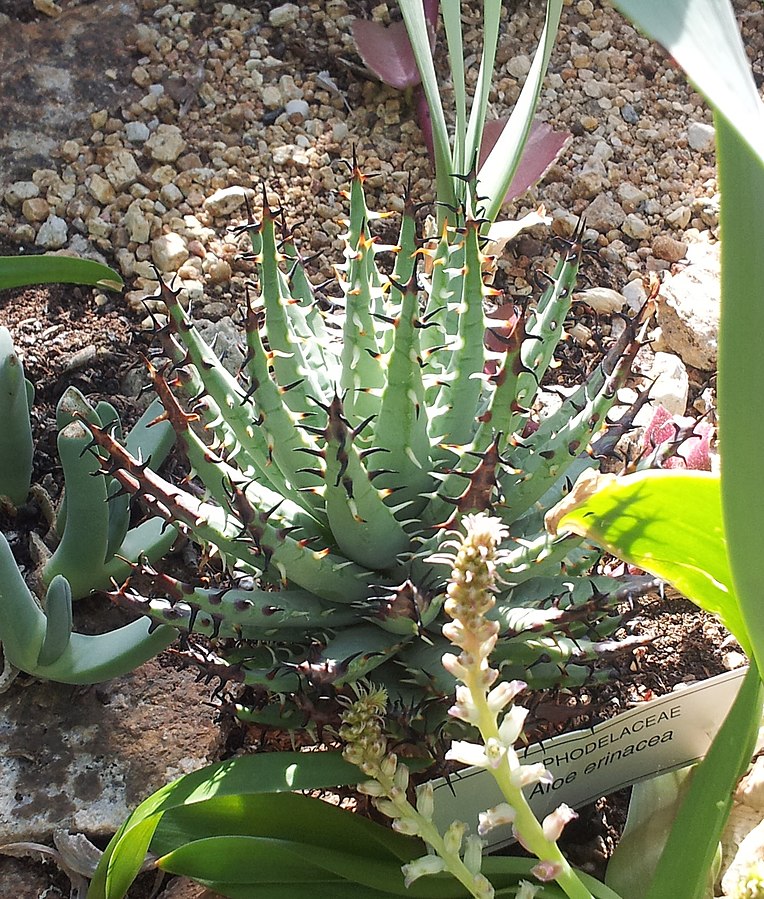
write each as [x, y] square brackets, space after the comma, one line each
[554, 823]
[454, 666]
[512, 725]
[527, 775]
[499, 815]
[501, 696]
[464, 708]
[428, 864]
[467, 753]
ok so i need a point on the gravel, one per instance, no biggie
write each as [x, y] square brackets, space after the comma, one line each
[231, 98]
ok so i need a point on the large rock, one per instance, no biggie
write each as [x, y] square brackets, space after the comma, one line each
[688, 308]
[52, 77]
[169, 252]
[81, 759]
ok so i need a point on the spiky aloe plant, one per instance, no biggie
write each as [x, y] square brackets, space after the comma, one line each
[351, 443]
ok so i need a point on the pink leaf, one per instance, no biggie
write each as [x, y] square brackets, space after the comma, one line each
[386, 50]
[542, 148]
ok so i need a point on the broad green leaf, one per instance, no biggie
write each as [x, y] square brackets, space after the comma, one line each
[21, 271]
[263, 860]
[703, 37]
[284, 816]
[264, 773]
[667, 522]
[682, 871]
[258, 861]
[741, 371]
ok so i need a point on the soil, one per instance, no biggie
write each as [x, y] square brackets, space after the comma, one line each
[73, 336]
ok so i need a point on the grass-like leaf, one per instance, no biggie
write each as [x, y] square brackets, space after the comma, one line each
[23, 271]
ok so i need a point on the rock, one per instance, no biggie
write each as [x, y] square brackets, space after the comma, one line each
[225, 339]
[123, 170]
[631, 197]
[48, 8]
[604, 214]
[35, 209]
[635, 227]
[52, 234]
[602, 300]
[79, 246]
[519, 66]
[218, 271]
[271, 97]
[100, 189]
[103, 749]
[701, 137]
[166, 143]
[137, 132]
[136, 221]
[227, 200]
[688, 310]
[20, 191]
[586, 185]
[169, 252]
[635, 294]
[665, 247]
[171, 195]
[298, 108]
[22, 880]
[680, 217]
[286, 14]
[671, 383]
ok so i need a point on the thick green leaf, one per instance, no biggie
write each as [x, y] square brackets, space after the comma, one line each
[21, 271]
[281, 816]
[504, 872]
[265, 773]
[667, 522]
[741, 371]
[682, 871]
[240, 859]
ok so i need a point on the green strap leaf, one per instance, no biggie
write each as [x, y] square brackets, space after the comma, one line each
[21, 271]
[264, 773]
[682, 872]
[667, 522]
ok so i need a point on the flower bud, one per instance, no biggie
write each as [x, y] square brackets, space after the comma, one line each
[425, 800]
[473, 854]
[428, 864]
[453, 837]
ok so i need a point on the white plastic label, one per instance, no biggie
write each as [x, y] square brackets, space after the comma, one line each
[652, 738]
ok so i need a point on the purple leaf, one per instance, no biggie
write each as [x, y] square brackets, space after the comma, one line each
[542, 148]
[386, 50]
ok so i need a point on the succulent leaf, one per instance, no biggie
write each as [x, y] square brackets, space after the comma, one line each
[338, 463]
[16, 447]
